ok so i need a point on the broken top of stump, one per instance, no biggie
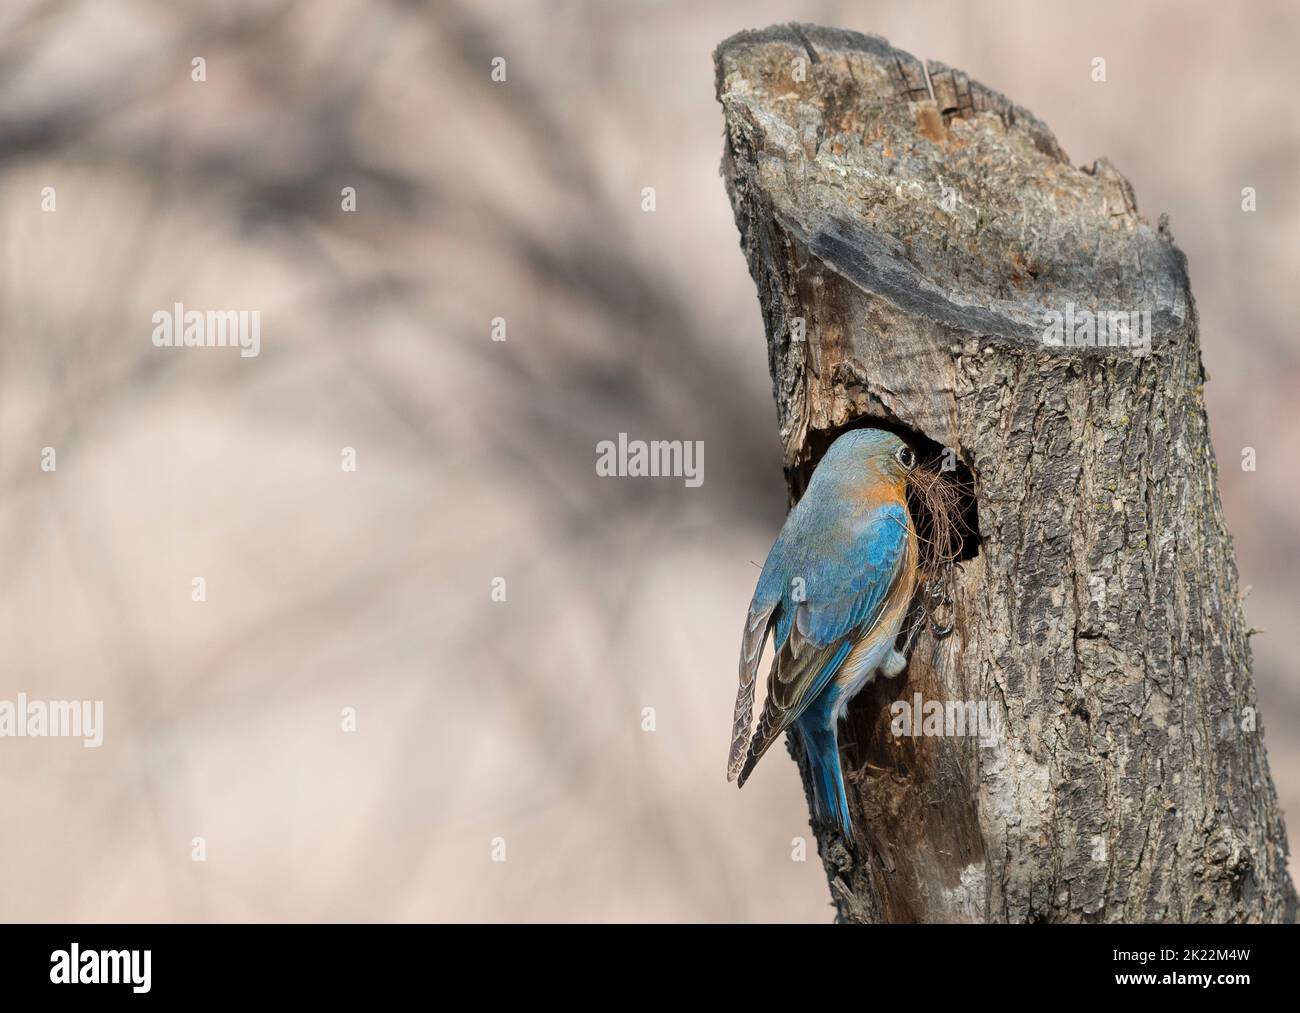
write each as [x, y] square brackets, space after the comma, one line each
[931, 192]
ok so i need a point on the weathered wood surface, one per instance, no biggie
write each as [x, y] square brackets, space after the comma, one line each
[921, 225]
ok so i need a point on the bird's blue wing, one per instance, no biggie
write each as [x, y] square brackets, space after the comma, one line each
[822, 589]
[846, 589]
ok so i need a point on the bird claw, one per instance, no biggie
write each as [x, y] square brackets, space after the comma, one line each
[938, 597]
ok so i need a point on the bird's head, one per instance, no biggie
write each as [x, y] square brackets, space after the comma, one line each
[871, 455]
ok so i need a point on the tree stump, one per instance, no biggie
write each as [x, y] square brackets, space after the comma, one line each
[913, 235]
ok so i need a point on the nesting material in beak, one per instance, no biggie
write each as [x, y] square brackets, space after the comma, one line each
[937, 500]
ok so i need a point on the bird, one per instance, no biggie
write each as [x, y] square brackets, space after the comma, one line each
[834, 592]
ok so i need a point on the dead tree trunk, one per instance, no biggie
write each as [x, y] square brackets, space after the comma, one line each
[910, 232]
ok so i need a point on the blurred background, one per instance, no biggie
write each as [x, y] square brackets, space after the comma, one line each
[485, 729]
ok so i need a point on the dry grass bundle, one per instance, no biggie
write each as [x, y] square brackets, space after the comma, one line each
[941, 506]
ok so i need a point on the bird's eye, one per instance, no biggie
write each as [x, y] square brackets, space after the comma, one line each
[905, 457]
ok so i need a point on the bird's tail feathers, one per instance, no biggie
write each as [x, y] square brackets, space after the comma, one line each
[823, 753]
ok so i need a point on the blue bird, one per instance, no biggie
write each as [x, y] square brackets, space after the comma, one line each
[834, 593]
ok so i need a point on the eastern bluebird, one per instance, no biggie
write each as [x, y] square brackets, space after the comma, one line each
[836, 586]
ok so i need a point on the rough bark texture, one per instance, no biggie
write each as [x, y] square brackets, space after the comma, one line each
[921, 225]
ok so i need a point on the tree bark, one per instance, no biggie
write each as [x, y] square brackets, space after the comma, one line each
[909, 231]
